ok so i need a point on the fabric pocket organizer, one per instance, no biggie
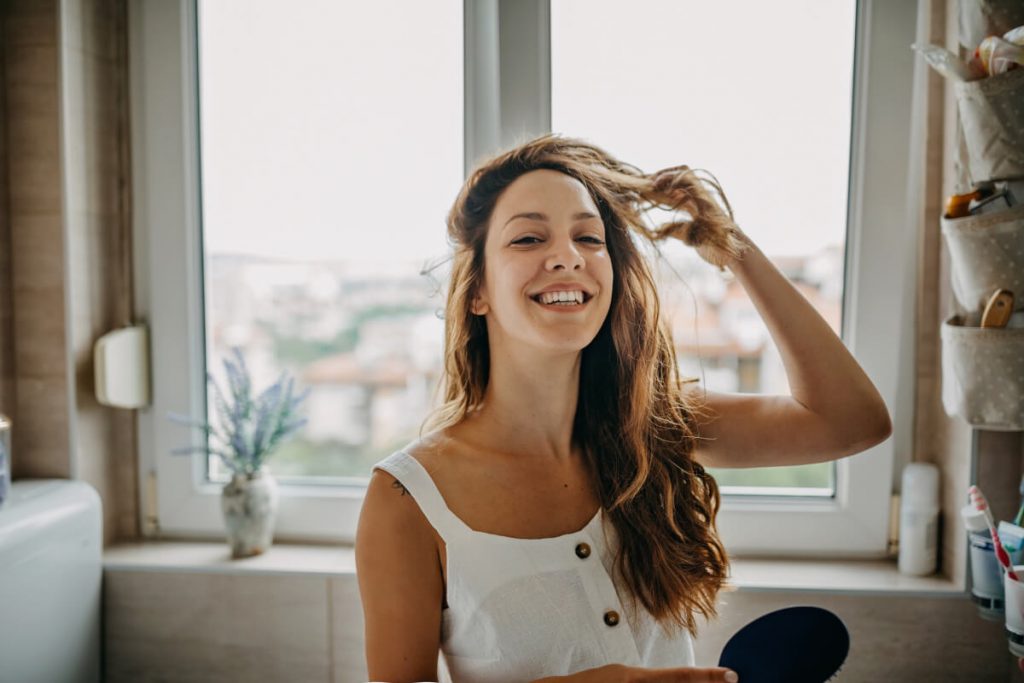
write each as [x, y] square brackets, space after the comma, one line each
[986, 253]
[983, 373]
[992, 117]
[983, 368]
[980, 18]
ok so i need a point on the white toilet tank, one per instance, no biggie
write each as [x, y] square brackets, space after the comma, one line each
[51, 546]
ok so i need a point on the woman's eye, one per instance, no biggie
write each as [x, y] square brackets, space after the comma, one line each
[530, 240]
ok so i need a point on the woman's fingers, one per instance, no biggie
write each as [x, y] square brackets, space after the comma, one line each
[689, 675]
[619, 673]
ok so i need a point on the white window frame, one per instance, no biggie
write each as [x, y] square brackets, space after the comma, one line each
[506, 100]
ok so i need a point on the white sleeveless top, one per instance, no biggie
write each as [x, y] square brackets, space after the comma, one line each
[521, 609]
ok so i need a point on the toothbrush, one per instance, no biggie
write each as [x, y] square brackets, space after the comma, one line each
[981, 505]
[1020, 512]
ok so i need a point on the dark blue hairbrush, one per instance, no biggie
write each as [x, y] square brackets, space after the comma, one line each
[793, 645]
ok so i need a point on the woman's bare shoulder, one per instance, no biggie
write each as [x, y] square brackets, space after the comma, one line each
[436, 449]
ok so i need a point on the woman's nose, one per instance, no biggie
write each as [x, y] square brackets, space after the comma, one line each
[564, 256]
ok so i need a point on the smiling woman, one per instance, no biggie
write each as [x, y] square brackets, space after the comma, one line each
[562, 395]
[331, 303]
[551, 257]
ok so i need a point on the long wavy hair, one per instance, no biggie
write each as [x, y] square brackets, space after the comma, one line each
[633, 423]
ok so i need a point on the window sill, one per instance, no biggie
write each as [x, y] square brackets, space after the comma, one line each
[841, 576]
[860, 577]
[200, 557]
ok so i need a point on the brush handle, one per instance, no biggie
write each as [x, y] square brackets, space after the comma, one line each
[1004, 558]
[981, 504]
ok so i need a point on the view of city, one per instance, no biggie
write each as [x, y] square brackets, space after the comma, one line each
[370, 347]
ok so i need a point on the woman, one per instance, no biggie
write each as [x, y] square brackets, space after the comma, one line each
[475, 538]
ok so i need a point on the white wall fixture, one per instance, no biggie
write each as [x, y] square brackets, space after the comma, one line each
[121, 361]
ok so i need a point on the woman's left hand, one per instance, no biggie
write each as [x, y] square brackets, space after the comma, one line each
[710, 229]
[721, 259]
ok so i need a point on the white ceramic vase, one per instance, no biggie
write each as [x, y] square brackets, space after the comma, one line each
[249, 504]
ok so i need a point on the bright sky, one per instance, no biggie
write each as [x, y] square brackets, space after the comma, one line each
[334, 131]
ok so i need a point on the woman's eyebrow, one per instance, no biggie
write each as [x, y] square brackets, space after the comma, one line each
[533, 215]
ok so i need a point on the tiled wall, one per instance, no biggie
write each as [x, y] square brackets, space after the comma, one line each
[6, 322]
[213, 627]
[216, 627]
[41, 430]
[66, 223]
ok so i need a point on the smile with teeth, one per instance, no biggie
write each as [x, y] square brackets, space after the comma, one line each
[570, 298]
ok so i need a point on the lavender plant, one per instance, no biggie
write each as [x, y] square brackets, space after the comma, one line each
[249, 428]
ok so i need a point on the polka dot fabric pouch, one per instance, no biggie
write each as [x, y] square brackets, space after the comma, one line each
[983, 368]
[983, 372]
[986, 253]
[992, 119]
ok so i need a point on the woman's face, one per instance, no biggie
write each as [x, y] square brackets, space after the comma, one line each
[545, 231]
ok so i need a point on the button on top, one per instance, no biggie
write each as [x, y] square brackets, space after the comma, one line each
[611, 617]
[583, 551]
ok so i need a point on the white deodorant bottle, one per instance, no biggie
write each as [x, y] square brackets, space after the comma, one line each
[919, 519]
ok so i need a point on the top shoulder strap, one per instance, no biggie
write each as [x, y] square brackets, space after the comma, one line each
[415, 478]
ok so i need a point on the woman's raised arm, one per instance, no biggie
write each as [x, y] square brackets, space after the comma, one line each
[834, 410]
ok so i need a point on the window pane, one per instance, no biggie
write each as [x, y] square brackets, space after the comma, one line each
[331, 148]
[760, 95]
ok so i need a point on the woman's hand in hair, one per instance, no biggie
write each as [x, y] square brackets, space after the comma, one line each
[720, 258]
[620, 673]
[710, 228]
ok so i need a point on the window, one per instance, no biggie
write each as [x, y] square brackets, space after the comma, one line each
[354, 171]
[712, 114]
[255, 154]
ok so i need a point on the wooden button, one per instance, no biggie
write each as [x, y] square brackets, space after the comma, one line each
[583, 551]
[611, 617]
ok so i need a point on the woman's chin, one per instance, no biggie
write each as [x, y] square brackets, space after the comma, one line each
[556, 343]
[564, 335]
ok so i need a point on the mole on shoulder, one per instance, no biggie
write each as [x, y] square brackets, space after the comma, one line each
[398, 485]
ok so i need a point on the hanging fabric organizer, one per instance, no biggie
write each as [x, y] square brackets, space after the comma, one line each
[983, 375]
[983, 368]
[986, 253]
[992, 116]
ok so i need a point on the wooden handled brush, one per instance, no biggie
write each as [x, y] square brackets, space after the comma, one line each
[998, 309]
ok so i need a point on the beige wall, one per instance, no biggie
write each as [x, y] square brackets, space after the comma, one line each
[938, 438]
[66, 224]
[6, 321]
[40, 434]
